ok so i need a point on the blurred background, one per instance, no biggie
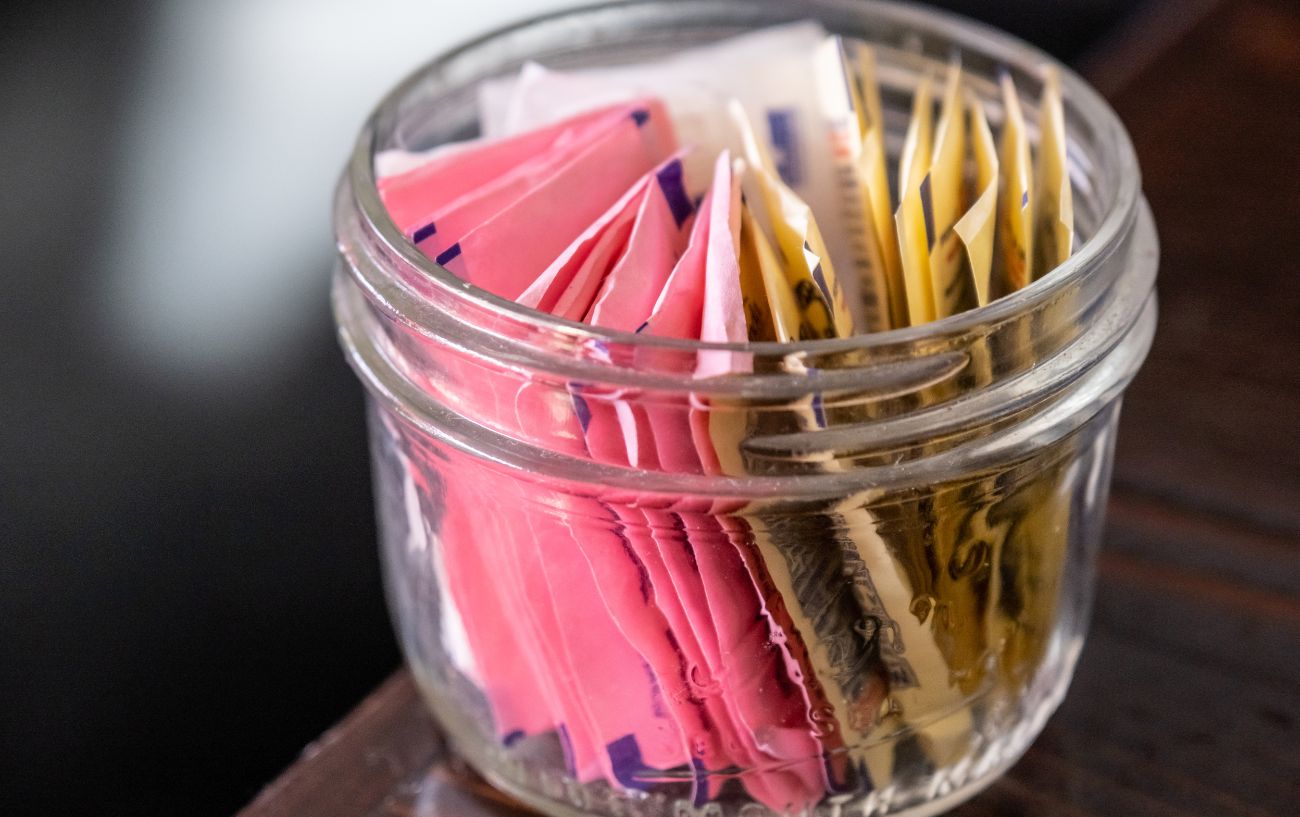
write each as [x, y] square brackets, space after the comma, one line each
[189, 590]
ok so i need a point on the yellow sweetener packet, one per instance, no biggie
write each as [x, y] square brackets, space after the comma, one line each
[1054, 219]
[948, 278]
[915, 234]
[770, 307]
[808, 271]
[861, 62]
[873, 181]
[759, 320]
[977, 227]
[1016, 208]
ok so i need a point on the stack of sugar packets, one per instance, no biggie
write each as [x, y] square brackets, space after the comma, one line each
[734, 192]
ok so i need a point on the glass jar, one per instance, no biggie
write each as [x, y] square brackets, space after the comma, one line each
[851, 579]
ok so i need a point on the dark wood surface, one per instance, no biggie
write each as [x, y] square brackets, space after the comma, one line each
[1187, 697]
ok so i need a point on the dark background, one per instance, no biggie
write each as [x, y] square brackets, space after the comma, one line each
[189, 590]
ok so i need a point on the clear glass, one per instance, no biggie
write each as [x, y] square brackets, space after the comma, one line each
[867, 603]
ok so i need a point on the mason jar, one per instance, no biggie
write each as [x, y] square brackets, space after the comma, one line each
[851, 577]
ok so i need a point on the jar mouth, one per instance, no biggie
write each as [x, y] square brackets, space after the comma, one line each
[359, 192]
[901, 407]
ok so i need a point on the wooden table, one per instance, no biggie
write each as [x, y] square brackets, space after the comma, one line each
[1187, 697]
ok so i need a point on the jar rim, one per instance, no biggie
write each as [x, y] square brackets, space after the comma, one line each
[1114, 224]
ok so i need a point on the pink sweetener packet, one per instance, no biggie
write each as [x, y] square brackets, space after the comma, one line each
[722, 313]
[565, 289]
[751, 657]
[482, 567]
[649, 532]
[628, 293]
[533, 612]
[684, 310]
[508, 251]
[622, 704]
[765, 697]
[675, 529]
[518, 698]
[722, 317]
[614, 426]
[642, 609]
[676, 313]
[453, 171]
[626, 706]
[520, 563]
[682, 568]
[624, 701]
[633, 583]
[567, 285]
